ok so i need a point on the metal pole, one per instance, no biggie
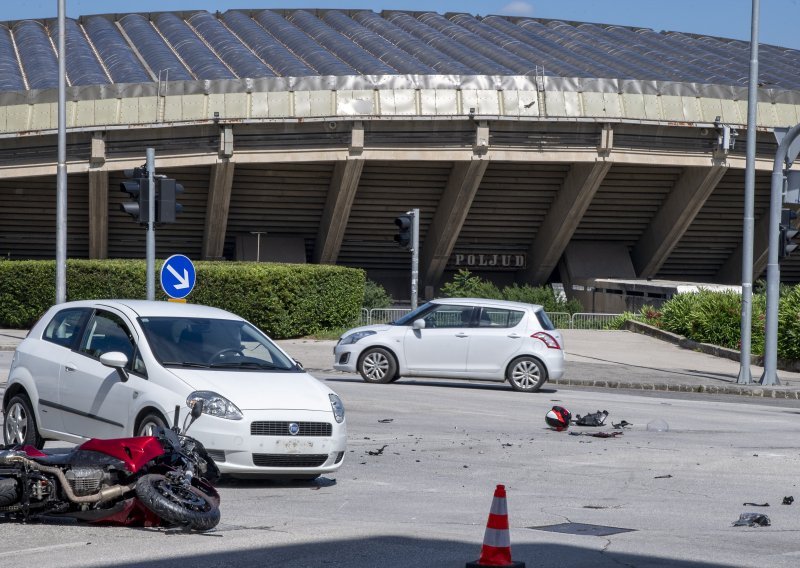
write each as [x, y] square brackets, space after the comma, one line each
[61, 168]
[770, 376]
[414, 258]
[151, 217]
[745, 376]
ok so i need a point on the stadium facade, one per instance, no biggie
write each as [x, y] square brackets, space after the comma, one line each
[536, 150]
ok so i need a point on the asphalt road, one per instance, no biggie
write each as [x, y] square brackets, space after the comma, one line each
[423, 461]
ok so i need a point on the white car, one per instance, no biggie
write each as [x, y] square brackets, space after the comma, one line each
[119, 368]
[459, 338]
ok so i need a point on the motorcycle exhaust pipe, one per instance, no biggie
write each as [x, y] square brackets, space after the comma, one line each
[102, 495]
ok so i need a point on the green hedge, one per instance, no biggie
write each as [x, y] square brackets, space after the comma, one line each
[285, 300]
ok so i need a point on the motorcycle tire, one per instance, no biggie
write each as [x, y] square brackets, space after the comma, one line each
[178, 504]
[8, 491]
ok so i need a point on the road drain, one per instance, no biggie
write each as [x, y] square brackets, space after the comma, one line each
[582, 528]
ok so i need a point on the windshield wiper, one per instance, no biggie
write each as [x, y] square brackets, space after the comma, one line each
[186, 364]
[251, 364]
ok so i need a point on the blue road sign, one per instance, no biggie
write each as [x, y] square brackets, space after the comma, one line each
[177, 276]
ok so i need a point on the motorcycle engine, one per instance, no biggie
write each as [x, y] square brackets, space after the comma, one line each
[85, 480]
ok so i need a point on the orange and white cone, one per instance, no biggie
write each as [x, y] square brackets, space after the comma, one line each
[496, 549]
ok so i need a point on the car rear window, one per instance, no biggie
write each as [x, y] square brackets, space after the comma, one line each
[499, 317]
[544, 320]
[65, 327]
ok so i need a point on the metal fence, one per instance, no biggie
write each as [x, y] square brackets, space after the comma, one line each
[562, 320]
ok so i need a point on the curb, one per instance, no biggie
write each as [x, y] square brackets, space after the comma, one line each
[754, 391]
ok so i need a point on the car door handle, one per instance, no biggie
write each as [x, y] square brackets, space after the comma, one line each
[514, 335]
[70, 367]
[462, 334]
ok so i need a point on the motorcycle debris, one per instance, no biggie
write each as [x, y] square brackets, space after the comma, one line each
[755, 504]
[788, 500]
[622, 424]
[663, 476]
[594, 419]
[385, 420]
[377, 452]
[752, 520]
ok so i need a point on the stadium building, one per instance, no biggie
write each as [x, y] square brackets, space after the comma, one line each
[536, 150]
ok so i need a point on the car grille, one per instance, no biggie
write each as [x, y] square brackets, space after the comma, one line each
[294, 460]
[217, 455]
[278, 428]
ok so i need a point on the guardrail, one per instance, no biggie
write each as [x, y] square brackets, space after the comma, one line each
[562, 320]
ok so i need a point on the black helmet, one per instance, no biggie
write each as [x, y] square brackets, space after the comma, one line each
[558, 418]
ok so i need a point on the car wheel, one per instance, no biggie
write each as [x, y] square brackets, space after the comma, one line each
[149, 424]
[526, 374]
[20, 423]
[377, 365]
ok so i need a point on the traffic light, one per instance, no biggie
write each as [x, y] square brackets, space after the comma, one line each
[405, 224]
[167, 206]
[788, 231]
[137, 186]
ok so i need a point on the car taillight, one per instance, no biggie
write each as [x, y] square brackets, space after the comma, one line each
[548, 339]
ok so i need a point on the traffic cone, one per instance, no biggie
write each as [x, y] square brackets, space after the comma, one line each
[496, 549]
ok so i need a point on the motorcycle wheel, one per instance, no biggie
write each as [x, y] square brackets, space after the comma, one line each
[178, 503]
[8, 491]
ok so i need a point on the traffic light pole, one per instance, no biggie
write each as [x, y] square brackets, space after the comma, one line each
[770, 376]
[150, 253]
[414, 258]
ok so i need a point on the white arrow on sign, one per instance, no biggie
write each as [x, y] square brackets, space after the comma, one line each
[183, 280]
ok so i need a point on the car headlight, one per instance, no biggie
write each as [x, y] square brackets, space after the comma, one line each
[337, 407]
[215, 405]
[354, 337]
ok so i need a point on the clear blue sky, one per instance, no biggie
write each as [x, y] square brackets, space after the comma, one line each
[779, 19]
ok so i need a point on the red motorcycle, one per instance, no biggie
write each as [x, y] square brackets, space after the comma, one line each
[158, 480]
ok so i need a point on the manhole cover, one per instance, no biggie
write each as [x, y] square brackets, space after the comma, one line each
[582, 528]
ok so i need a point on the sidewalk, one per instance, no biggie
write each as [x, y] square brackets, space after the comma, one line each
[607, 359]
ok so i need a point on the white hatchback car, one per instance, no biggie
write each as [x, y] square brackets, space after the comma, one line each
[463, 338]
[118, 368]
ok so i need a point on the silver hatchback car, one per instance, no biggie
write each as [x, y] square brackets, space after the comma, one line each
[458, 338]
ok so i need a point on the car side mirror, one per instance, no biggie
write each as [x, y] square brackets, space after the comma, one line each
[419, 324]
[116, 360]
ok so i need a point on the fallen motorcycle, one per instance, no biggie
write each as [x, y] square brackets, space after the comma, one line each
[159, 480]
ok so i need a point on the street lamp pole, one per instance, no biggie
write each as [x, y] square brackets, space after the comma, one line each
[749, 205]
[61, 171]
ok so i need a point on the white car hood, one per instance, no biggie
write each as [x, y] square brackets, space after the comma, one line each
[251, 390]
[376, 327]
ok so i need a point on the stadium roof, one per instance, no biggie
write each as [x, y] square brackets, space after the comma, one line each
[199, 46]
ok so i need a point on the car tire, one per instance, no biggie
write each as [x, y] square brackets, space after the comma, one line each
[377, 365]
[20, 423]
[526, 374]
[149, 423]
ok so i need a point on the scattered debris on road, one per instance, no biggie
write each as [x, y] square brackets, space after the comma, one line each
[622, 424]
[386, 420]
[667, 476]
[752, 520]
[788, 500]
[377, 452]
[755, 504]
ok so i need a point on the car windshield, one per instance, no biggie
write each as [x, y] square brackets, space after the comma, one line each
[213, 343]
[409, 318]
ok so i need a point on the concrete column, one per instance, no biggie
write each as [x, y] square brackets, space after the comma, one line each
[731, 271]
[451, 212]
[677, 212]
[98, 214]
[219, 201]
[563, 218]
[342, 192]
